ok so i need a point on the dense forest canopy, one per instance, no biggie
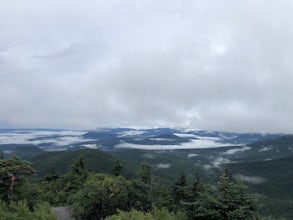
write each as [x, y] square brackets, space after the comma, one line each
[92, 195]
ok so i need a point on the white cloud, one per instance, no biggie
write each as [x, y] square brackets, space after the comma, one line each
[58, 138]
[161, 139]
[192, 155]
[194, 144]
[163, 165]
[250, 179]
[236, 150]
[149, 156]
[90, 146]
[197, 64]
[207, 167]
[266, 149]
[219, 161]
[186, 135]
[130, 133]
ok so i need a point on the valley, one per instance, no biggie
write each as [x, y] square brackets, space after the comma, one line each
[263, 162]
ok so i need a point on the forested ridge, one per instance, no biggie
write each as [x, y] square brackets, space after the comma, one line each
[93, 195]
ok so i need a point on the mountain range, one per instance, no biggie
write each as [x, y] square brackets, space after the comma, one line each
[264, 162]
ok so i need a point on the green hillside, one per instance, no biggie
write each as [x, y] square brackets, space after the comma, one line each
[268, 150]
[96, 161]
[167, 165]
[273, 180]
[23, 151]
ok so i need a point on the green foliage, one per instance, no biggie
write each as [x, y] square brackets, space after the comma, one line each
[14, 166]
[147, 191]
[96, 196]
[30, 192]
[100, 197]
[78, 168]
[155, 214]
[77, 175]
[21, 198]
[234, 200]
[142, 195]
[57, 192]
[93, 196]
[20, 211]
[11, 176]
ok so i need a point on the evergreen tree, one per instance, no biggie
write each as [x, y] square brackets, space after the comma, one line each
[147, 192]
[196, 188]
[235, 202]
[11, 171]
[205, 206]
[78, 168]
[180, 191]
[145, 174]
[117, 169]
[76, 176]
[143, 189]
[229, 201]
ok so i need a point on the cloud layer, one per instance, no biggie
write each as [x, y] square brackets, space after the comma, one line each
[199, 64]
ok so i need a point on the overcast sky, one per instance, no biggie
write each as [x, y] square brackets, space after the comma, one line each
[222, 65]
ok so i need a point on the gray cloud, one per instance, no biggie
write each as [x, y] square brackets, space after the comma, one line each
[76, 64]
